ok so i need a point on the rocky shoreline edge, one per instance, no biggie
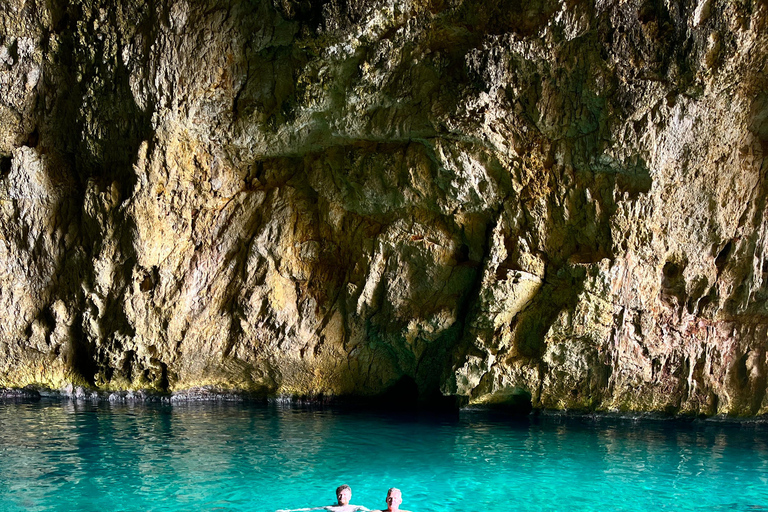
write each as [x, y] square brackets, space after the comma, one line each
[80, 393]
[213, 394]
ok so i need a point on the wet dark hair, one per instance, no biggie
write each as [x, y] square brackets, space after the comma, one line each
[343, 488]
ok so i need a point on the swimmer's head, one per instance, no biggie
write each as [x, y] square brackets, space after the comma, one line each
[344, 494]
[394, 498]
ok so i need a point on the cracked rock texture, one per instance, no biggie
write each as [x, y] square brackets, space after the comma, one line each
[560, 201]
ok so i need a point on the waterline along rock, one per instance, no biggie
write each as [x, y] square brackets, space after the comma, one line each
[561, 202]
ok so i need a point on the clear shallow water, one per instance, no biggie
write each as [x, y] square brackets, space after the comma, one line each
[235, 457]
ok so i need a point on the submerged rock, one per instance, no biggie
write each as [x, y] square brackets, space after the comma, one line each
[548, 202]
[16, 394]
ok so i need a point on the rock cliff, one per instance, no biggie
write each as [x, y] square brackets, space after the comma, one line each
[554, 201]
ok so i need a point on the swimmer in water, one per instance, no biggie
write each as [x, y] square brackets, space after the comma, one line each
[343, 495]
[394, 499]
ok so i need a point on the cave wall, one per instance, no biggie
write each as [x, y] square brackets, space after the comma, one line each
[556, 200]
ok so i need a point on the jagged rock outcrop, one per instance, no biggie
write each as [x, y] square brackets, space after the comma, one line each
[559, 201]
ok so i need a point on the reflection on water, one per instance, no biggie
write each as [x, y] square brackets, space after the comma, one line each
[76, 456]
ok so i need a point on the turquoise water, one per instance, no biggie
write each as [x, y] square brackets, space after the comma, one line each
[67, 456]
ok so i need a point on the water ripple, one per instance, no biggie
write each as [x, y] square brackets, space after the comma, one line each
[213, 457]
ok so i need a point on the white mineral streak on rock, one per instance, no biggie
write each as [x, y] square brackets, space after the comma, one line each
[702, 12]
[367, 297]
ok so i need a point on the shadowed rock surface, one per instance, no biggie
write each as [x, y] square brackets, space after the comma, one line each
[555, 203]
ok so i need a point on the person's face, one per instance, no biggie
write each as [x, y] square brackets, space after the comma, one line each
[394, 499]
[344, 496]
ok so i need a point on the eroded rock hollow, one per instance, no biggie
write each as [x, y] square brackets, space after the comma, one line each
[554, 201]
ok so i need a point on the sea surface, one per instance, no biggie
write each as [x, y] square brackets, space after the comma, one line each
[77, 456]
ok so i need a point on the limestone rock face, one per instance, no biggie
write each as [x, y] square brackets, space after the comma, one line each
[555, 200]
